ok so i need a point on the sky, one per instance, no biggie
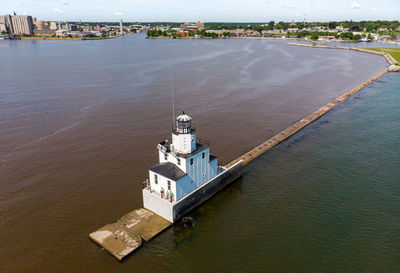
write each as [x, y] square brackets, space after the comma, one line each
[204, 10]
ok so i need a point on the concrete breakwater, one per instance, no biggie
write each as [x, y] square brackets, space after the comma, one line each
[265, 146]
[387, 56]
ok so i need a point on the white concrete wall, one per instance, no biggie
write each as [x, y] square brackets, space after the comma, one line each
[173, 159]
[162, 182]
[184, 143]
[161, 207]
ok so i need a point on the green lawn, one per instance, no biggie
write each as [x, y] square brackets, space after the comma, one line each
[393, 51]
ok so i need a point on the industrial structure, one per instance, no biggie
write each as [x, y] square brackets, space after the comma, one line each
[16, 24]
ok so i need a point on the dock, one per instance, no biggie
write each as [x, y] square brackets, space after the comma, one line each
[126, 234]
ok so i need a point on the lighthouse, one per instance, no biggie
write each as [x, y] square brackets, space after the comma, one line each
[184, 165]
[187, 173]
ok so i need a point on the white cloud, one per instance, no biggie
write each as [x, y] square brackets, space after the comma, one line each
[355, 5]
[290, 7]
[297, 14]
[65, 2]
[373, 8]
[118, 13]
[58, 10]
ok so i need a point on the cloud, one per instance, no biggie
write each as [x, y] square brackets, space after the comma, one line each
[118, 13]
[355, 5]
[58, 10]
[290, 7]
[297, 14]
[373, 8]
[65, 2]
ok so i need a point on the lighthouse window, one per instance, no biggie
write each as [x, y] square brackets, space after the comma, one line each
[179, 161]
[203, 155]
[155, 179]
[165, 156]
[191, 161]
[169, 185]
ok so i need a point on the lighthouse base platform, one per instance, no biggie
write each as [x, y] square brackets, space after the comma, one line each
[124, 236]
[175, 210]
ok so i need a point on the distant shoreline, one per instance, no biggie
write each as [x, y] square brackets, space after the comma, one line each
[265, 37]
[67, 38]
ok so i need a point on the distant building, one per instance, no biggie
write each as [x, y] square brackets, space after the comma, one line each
[292, 29]
[40, 24]
[22, 24]
[61, 32]
[339, 28]
[121, 28]
[44, 32]
[200, 25]
[17, 24]
[7, 21]
[3, 27]
[55, 25]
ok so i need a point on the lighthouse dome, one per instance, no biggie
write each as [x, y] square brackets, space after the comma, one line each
[183, 124]
[183, 118]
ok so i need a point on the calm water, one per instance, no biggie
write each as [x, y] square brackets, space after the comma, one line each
[79, 123]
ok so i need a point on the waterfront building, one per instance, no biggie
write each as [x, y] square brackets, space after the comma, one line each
[40, 24]
[44, 32]
[3, 27]
[7, 21]
[22, 24]
[17, 24]
[54, 25]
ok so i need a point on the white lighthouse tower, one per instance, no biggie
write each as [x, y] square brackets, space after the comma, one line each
[184, 166]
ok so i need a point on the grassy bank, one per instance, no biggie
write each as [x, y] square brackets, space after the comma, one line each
[393, 51]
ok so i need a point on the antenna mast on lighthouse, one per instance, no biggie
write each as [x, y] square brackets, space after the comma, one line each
[173, 102]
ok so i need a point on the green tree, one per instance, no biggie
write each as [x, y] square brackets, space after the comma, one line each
[271, 24]
[332, 25]
[314, 36]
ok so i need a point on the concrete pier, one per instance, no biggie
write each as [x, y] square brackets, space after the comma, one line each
[124, 236]
[265, 146]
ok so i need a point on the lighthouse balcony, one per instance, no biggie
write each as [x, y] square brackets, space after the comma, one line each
[201, 144]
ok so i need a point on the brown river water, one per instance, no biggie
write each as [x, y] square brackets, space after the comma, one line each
[80, 121]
